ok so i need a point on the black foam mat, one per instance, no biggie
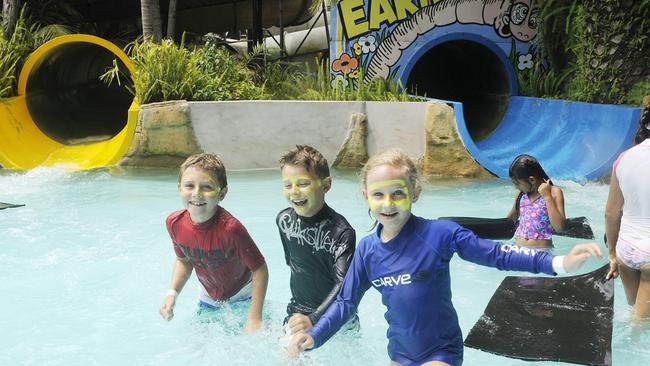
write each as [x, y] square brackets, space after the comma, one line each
[504, 228]
[566, 319]
[9, 205]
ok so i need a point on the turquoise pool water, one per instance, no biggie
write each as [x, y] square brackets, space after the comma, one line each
[84, 267]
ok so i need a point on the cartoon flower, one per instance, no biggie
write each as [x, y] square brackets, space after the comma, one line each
[354, 74]
[357, 49]
[525, 62]
[345, 64]
[339, 82]
[367, 44]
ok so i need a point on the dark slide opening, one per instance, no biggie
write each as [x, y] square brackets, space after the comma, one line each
[468, 72]
[68, 101]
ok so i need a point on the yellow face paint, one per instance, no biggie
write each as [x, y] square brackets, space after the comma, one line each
[200, 193]
[212, 193]
[386, 193]
[301, 182]
[208, 186]
[302, 188]
[212, 188]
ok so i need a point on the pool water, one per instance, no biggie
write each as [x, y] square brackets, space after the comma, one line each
[85, 264]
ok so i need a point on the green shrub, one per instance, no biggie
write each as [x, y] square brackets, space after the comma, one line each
[228, 77]
[638, 91]
[289, 81]
[14, 50]
[8, 61]
[541, 82]
[166, 71]
[603, 45]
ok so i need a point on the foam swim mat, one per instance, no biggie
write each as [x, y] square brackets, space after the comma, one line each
[504, 228]
[9, 205]
[566, 319]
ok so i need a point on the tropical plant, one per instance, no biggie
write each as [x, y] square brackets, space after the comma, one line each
[228, 77]
[167, 71]
[640, 90]
[14, 50]
[602, 44]
[291, 81]
[162, 72]
[540, 81]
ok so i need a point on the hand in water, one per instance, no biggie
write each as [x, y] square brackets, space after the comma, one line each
[299, 323]
[252, 325]
[579, 254]
[167, 307]
[299, 343]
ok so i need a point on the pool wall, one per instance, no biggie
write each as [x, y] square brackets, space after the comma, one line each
[254, 134]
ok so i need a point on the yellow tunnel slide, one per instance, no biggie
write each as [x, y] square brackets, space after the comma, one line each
[63, 114]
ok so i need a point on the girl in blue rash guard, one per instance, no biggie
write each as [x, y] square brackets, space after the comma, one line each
[407, 261]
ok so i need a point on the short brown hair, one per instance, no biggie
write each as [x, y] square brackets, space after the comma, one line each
[309, 158]
[211, 163]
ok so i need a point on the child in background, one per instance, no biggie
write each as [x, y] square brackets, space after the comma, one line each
[539, 205]
[209, 239]
[407, 261]
[318, 242]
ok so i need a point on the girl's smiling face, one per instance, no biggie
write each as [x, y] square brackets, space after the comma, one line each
[200, 193]
[390, 196]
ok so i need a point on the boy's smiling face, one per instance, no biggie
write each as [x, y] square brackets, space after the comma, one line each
[200, 193]
[304, 191]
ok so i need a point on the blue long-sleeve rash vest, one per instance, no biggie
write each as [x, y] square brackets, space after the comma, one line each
[411, 272]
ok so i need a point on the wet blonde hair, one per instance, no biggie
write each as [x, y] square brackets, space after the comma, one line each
[395, 158]
[208, 162]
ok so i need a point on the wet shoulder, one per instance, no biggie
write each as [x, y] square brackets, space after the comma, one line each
[284, 214]
[339, 220]
[435, 227]
[437, 234]
[368, 243]
[174, 217]
[227, 221]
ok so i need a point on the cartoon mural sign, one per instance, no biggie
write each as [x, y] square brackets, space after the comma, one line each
[380, 38]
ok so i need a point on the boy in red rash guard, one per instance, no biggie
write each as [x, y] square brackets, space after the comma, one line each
[208, 239]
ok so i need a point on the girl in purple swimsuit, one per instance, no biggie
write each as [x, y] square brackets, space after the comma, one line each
[539, 206]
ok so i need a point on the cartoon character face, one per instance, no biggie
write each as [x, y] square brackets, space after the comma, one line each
[520, 21]
[523, 20]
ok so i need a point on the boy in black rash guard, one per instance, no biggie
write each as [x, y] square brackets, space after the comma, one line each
[318, 242]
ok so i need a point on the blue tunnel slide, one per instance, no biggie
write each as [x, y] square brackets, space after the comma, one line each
[572, 140]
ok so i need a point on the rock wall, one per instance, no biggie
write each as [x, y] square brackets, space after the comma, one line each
[254, 134]
[445, 154]
[164, 136]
